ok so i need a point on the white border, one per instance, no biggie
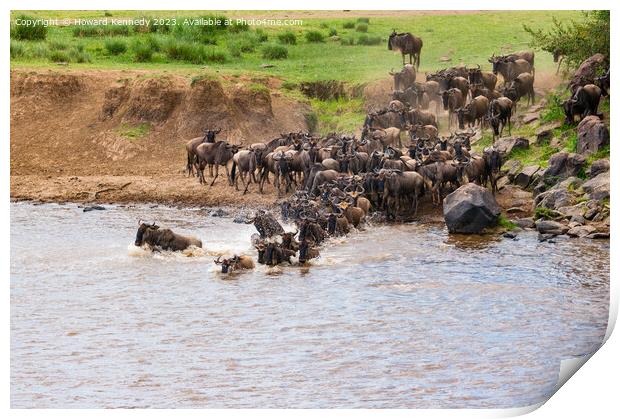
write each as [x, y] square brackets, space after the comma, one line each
[593, 392]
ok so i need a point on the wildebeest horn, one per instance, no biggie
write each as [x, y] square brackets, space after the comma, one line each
[391, 72]
[217, 261]
[478, 66]
[140, 221]
[360, 189]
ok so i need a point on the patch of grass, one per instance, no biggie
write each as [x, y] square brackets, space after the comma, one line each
[363, 20]
[258, 88]
[59, 57]
[603, 153]
[115, 46]
[261, 35]
[332, 32]
[361, 27]
[27, 33]
[347, 41]
[18, 49]
[239, 27]
[205, 76]
[287, 38]
[86, 31]
[312, 121]
[142, 53]
[544, 212]
[553, 111]
[134, 132]
[348, 25]
[39, 50]
[368, 40]
[77, 55]
[504, 222]
[315, 37]
[341, 115]
[571, 142]
[191, 52]
[275, 52]
[289, 85]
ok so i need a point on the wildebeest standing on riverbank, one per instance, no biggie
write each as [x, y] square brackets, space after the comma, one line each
[406, 43]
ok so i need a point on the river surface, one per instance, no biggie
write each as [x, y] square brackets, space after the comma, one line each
[395, 316]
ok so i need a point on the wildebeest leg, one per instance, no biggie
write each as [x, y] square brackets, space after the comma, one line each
[228, 173]
[217, 172]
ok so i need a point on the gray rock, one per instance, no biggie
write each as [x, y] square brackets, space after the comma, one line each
[528, 118]
[598, 167]
[550, 227]
[219, 213]
[597, 187]
[509, 235]
[571, 211]
[525, 176]
[598, 235]
[592, 135]
[470, 209]
[581, 231]
[554, 199]
[563, 165]
[506, 144]
[502, 182]
[525, 222]
[571, 183]
[545, 132]
[93, 208]
[578, 219]
[511, 168]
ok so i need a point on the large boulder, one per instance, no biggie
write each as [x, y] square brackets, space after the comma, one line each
[592, 135]
[555, 198]
[470, 209]
[545, 132]
[526, 176]
[511, 168]
[597, 187]
[598, 167]
[563, 165]
[550, 227]
[581, 231]
[507, 144]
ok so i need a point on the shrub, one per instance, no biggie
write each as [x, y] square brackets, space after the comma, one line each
[79, 56]
[29, 33]
[142, 52]
[115, 46]
[86, 31]
[215, 55]
[362, 27]
[17, 49]
[315, 36]
[348, 41]
[185, 51]
[59, 57]
[38, 50]
[324, 25]
[58, 45]
[332, 32]
[239, 27]
[275, 52]
[234, 49]
[348, 25]
[363, 20]
[261, 36]
[287, 37]
[154, 42]
[368, 40]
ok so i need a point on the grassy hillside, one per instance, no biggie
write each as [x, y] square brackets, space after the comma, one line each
[346, 47]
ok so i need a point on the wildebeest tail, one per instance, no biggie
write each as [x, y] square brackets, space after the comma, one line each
[233, 171]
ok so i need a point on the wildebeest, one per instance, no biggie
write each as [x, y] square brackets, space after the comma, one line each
[307, 251]
[266, 224]
[320, 178]
[522, 85]
[473, 112]
[509, 68]
[245, 160]
[214, 154]
[493, 161]
[603, 82]
[235, 263]
[499, 114]
[405, 78]
[402, 190]
[419, 117]
[164, 239]
[439, 174]
[453, 99]
[406, 43]
[208, 137]
[583, 103]
[480, 90]
[484, 78]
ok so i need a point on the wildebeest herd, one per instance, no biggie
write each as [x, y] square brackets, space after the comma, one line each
[337, 181]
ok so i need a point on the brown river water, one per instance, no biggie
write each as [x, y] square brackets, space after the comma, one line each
[396, 316]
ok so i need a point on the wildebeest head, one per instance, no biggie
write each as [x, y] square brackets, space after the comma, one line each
[227, 264]
[496, 62]
[391, 39]
[210, 134]
[475, 75]
[142, 230]
[460, 113]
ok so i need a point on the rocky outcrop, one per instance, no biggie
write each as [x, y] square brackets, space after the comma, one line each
[507, 144]
[563, 165]
[598, 167]
[597, 187]
[470, 209]
[592, 135]
[551, 227]
[526, 176]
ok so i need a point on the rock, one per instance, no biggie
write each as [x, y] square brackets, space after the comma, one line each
[591, 213]
[525, 176]
[511, 168]
[597, 187]
[563, 165]
[444, 59]
[470, 209]
[512, 210]
[546, 237]
[571, 211]
[550, 227]
[598, 235]
[545, 132]
[502, 182]
[266, 66]
[93, 208]
[509, 235]
[528, 118]
[592, 135]
[554, 199]
[578, 219]
[506, 144]
[598, 167]
[581, 231]
[219, 213]
[571, 183]
[525, 222]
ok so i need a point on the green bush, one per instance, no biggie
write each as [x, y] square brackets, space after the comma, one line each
[362, 27]
[287, 37]
[142, 52]
[324, 25]
[368, 40]
[58, 45]
[239, 27]
[215, 55]
[348, 41]
[261, 36]
[315, 36]
[154, 42]
[79, 56]
[115, 46]
[363, 20]
[38, 50]
[234, 49]
[59, 57]
[185, 51]
[275, 52]
[17, 49]
[348, 25]
[86, 31]
[332, 32]
[29, 33]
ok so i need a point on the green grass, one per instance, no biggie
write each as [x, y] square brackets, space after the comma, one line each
[340, 115]
[275, 52]
[134, 132]
[504, 222]
[467, 38]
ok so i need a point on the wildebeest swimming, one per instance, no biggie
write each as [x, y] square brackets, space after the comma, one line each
[164, 238]
[235, 263]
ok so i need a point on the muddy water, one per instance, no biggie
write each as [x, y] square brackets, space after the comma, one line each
[396, 316]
